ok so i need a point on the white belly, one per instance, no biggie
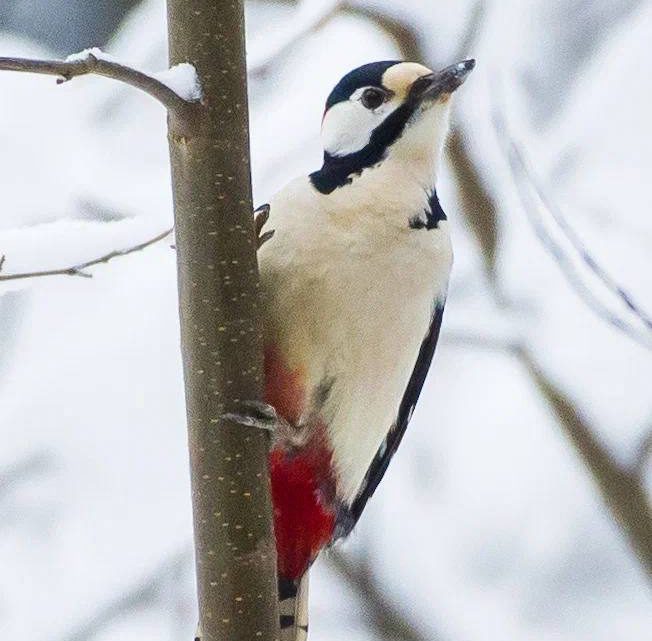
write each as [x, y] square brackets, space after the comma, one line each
[349, 305]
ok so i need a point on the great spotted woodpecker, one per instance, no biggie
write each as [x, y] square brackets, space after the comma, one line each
[354, 281]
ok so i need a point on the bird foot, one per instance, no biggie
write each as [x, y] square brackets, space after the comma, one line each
[255, 414]
[261, 216]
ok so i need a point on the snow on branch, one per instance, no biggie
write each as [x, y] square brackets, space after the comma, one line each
[79, 269]
[178, 89]
[183, 80]
[595, 286]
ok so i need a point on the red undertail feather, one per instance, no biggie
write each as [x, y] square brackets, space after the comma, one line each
[303, 524]
[302, 481]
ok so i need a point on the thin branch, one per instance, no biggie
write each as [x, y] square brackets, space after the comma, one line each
[472, 30]
[386, 618]
[476, 204]
[78, 270]
[621, 487]
[489, 343]
[622, 491]
[183, 112]
[401, 32]
[643, 454]
[529, 188]
[143, 594]
[309, 18]
[25, 469]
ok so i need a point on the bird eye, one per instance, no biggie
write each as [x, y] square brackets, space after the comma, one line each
[372, 98]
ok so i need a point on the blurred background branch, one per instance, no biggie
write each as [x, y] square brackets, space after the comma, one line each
[622, 489]
[522, 545]
[79, 269]
[35, 464]
[580, 268]
[386, 619]
[146, 592]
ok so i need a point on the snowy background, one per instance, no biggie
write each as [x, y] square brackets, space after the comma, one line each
[491, 524]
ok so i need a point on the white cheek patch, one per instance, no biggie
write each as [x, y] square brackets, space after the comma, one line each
[348, 125]
[347, 128]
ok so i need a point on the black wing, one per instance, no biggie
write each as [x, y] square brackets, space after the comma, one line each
[384, 455]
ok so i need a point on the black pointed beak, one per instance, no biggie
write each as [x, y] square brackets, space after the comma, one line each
[442, 83]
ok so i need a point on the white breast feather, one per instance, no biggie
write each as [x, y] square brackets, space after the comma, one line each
[350, 292]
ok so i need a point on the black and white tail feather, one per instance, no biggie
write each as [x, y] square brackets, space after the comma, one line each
[293, 609]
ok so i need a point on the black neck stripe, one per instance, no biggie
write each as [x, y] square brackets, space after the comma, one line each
[338, 171]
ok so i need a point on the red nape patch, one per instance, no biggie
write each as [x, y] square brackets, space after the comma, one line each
[284, 389]
[303, 519]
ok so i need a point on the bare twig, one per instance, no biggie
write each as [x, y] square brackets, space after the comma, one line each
[78, 270]
[387, 619]
[144, 593]
[472, 29]
[24, 469]
[182, 112]
[643, 454]
[489, 343]
[529, 189]
[622, 491]
[309, 17]
[398, 30]
[477, 205]
[621, 487]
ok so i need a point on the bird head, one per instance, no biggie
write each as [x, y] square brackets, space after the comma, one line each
[386, 110]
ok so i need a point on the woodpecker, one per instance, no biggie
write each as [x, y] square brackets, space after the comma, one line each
[354, 279]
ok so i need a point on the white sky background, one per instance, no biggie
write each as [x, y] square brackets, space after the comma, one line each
[487, 525]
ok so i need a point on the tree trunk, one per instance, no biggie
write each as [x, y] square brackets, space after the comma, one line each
[221, 337]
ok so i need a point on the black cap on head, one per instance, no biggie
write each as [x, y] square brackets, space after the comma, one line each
[369, 75]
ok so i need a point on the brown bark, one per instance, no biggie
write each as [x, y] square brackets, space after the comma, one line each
[220, 330]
